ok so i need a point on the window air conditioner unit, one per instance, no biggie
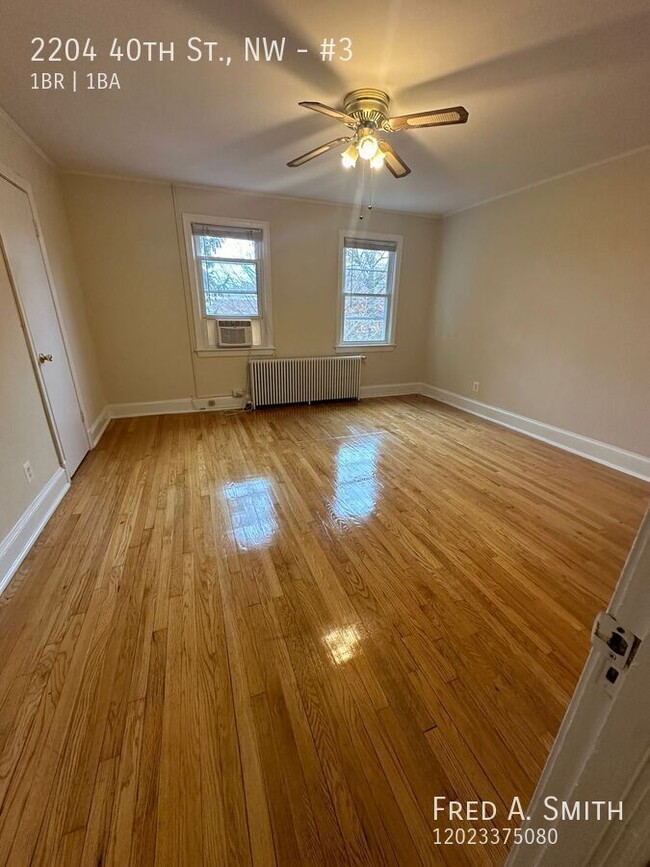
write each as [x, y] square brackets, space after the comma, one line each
[234, 332]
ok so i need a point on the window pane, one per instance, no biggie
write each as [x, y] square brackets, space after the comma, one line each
[229, 304]
[225, 248]
[236, 279]
[364, 319]
[229, 276]
[366, 271]
[355, 257]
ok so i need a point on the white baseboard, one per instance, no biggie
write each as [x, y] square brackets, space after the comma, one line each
[217, 404]
[167, 407]
[603, 453]
[16, 544]
[390, 390]
[220, 403]
[150, 407]
[98, 427]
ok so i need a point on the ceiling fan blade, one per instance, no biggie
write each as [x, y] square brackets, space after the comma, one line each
[439, 117]
[394, 163]
[330, 112]
[316, 152]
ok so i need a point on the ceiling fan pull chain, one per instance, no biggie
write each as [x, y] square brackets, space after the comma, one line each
[363, 189]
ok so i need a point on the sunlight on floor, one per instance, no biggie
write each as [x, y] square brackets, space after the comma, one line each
[343, 643]
[252, 511]
[355, 483]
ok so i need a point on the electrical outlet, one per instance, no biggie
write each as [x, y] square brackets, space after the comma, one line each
[29, 472]
[476, 385]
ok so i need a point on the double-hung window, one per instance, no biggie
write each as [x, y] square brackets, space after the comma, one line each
[229, 275]
[368, 296]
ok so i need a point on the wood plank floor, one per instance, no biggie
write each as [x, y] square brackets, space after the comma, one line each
[272, 638]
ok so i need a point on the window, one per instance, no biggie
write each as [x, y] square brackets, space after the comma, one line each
[369, 273]
[229, 275]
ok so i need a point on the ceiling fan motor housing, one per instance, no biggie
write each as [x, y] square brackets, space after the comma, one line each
[367, 105]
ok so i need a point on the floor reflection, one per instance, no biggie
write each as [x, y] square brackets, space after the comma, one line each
[252, 511]
[355, 491]
[342, 643]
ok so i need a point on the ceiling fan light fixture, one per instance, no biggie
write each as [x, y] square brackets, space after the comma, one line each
[350, 156]
[366, 114]
[368, 146]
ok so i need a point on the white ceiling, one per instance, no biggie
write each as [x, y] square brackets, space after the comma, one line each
[550, 86]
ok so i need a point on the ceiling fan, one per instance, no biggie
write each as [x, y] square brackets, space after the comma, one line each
[365, 111]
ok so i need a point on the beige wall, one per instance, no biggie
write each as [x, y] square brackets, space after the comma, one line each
[130, 266]
[544, 298]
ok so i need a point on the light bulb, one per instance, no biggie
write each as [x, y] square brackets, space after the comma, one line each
[367, 147]
[350, 156]
[377, 161]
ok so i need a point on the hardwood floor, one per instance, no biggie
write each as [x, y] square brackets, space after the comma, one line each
[272, 638]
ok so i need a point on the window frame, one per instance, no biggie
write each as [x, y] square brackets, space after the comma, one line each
[197, 296]
[391, 297]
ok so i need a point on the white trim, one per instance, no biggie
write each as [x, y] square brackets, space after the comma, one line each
[349, 348]
[601, 749]
[217, 404]
[234, 191]
[150, 407]
[22, 184]
[226, 402]
[252, 351]
[16, 544]
[265, 297]
[98, 427]
[533, 184]
[423, 215]
[11, 123]
[390, 390]
[602, 453]
[169, 407]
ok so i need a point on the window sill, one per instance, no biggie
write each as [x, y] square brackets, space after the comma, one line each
[360, 348]
[247, 352]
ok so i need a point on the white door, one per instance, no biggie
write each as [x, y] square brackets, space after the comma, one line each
[24, 257]
[602, 751]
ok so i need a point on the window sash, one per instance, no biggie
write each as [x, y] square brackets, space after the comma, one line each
[227, 261]
[389, 247]
[256, 235]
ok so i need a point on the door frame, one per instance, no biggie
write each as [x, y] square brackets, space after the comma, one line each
[24, 185]
[595, 725]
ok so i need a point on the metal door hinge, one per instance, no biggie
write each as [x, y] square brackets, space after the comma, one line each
[618, 643]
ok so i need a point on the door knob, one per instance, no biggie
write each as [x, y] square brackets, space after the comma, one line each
[43, 358]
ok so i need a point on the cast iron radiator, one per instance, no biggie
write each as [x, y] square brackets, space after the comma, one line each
[304, 380]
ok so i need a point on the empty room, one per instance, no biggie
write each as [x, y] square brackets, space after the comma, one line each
[324, 433]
